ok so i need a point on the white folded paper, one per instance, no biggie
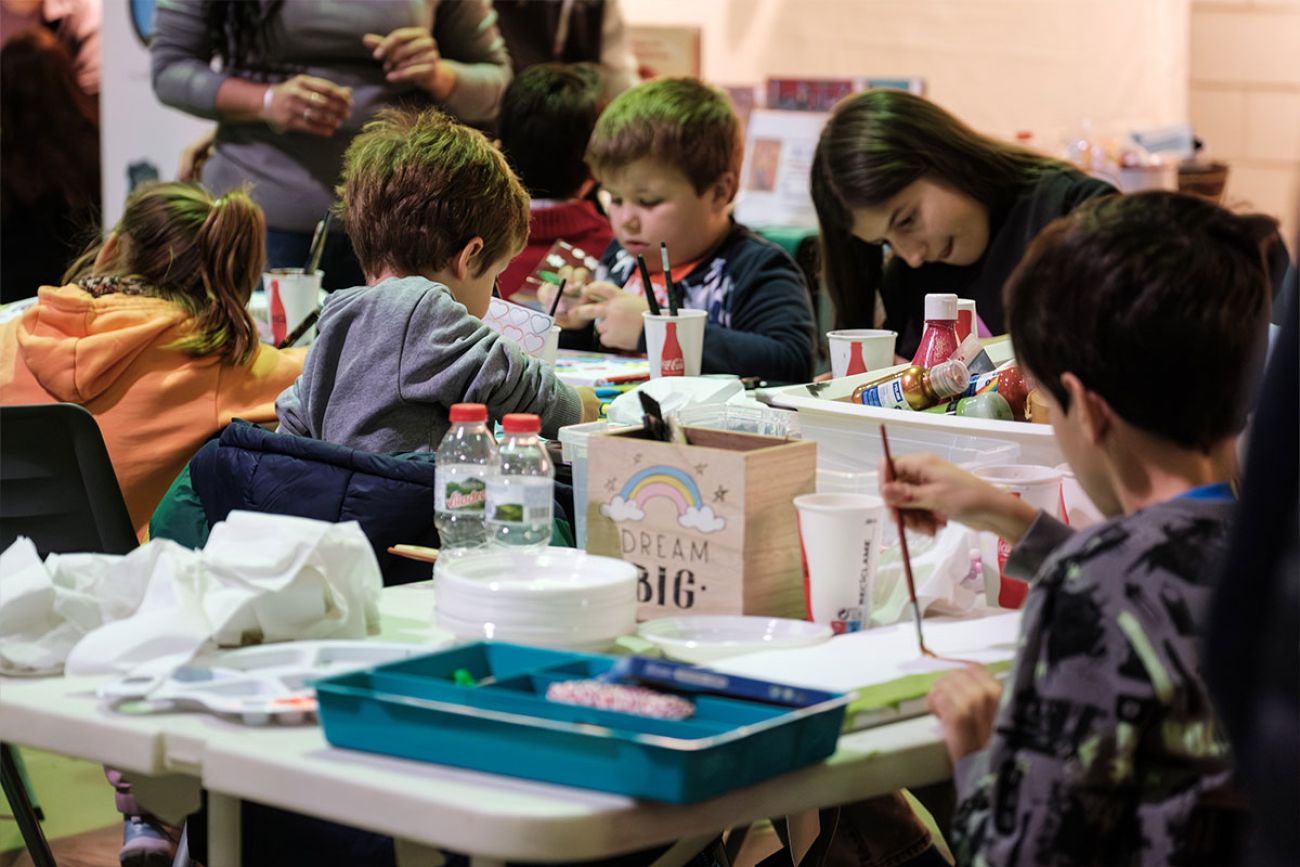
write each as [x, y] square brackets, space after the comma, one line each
[673, 393]
[260, 578]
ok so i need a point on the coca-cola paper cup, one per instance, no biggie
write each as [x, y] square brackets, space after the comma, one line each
[291, 294]
[860, 350]
[675, 344]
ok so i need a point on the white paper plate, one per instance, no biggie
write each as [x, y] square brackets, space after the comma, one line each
[704, 638]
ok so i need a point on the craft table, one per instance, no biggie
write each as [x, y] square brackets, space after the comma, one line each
[495, 818]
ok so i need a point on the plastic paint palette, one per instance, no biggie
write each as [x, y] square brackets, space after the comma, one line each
[257, 685]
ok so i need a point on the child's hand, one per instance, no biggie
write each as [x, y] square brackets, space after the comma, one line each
[929, 492]
[966, 702]
[619, 313]
[565, 314]
[590, 403]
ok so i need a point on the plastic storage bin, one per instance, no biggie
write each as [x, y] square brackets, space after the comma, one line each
[573, 451]
[742, 418]
[851, 463]
[505, 725]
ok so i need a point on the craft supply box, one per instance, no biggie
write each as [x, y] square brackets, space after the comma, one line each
[504, 724]
[710, 525]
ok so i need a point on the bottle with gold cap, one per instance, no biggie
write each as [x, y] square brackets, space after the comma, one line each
[917, 388]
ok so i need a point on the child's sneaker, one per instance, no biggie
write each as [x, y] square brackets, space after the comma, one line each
[146, 843]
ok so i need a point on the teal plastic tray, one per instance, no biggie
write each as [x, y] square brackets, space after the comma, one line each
[504, 724]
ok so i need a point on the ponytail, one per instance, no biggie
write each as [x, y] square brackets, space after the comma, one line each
[175, 242]
[232, 250]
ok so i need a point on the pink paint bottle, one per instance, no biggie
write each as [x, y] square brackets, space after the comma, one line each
[939, 340]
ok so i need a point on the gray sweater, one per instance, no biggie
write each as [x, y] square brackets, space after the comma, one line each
[391, 359]
[294, 173]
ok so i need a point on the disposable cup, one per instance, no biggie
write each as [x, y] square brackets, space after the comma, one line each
[686, 330]
[552, 346]
[291, 295]
[840, 538]
[860, 350]
[1077, 508]
[1038, 486]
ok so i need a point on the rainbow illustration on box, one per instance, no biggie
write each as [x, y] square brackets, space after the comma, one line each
[668, 483]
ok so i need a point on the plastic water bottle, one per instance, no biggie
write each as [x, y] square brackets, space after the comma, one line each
[520, 494]
[466, 462]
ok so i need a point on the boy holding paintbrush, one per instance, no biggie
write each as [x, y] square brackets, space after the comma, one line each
[668, 152]
[1104, 747]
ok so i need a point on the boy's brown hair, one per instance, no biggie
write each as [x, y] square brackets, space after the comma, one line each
[418, 186]
[679, 121]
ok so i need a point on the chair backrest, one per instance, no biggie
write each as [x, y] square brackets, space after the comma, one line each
[57, 485]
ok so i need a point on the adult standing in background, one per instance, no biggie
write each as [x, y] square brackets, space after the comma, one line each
[297, 80]
[570, 31]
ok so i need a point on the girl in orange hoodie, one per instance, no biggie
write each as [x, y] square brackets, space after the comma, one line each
[152, 335]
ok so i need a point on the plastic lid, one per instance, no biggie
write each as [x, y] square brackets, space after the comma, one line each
[966, 304]
[949, 378]
[468, 412]
[941, 306]
[526, 422]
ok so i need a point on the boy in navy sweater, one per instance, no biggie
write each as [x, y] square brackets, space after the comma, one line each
[668, 152]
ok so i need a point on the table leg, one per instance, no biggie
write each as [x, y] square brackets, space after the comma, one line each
[224, 830]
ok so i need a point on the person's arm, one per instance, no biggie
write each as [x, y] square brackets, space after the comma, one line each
[180, 58]
[448, 356]
[616, 57]
[471, 46]
[1043, 536]
[771, 332]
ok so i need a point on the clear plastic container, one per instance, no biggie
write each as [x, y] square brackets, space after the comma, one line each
[573, 450]
[742, 418]
[466, 461]
[520, 497]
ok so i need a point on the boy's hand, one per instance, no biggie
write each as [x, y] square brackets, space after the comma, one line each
[620, 323]
[411, 54]
[565, 313]
[929, 492]
[590, 403]
[966, 702]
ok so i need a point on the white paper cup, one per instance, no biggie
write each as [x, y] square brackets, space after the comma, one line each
[291, 295]
[860, 350]
[552, 346]
[1077, 508]
[1038, 486]
[687, 330]
[840, 539]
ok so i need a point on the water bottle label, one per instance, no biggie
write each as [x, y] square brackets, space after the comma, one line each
[465, 494]
[888, 395]
[515, 502]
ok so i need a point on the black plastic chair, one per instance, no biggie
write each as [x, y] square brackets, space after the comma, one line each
[58, 488]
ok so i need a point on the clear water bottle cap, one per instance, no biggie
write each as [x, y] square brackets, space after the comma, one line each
[941, 306]
[468, 412]
[521, 422]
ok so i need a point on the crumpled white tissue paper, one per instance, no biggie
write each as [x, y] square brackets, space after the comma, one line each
[674, 393]
[260, 578]
[947, 570]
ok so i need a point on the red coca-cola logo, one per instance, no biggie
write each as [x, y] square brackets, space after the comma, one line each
[670, 366]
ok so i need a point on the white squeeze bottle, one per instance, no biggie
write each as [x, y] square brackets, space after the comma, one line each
[520, 494]
[466, 462]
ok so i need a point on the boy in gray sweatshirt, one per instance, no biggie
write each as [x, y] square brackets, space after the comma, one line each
[434, 214]
[1141, 319]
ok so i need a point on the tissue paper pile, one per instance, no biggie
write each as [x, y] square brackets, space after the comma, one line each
[261, 578]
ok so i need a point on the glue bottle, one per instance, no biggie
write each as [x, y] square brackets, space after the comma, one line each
[918, 388]
[939, 340]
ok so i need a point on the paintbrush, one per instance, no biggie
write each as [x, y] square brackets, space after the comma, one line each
[902, 544]
[669, 289]
[555, 304]
[651, 301]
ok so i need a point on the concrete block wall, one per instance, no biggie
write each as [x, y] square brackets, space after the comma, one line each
[1244, 100]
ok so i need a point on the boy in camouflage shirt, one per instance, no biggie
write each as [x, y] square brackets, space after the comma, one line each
[1139, 317]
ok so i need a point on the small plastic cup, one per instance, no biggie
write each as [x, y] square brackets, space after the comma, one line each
[860, 350]
[840, 536]
[686, 330]
[291, 295]
[1038, 486]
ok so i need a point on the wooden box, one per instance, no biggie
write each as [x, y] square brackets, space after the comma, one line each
[710, 526]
